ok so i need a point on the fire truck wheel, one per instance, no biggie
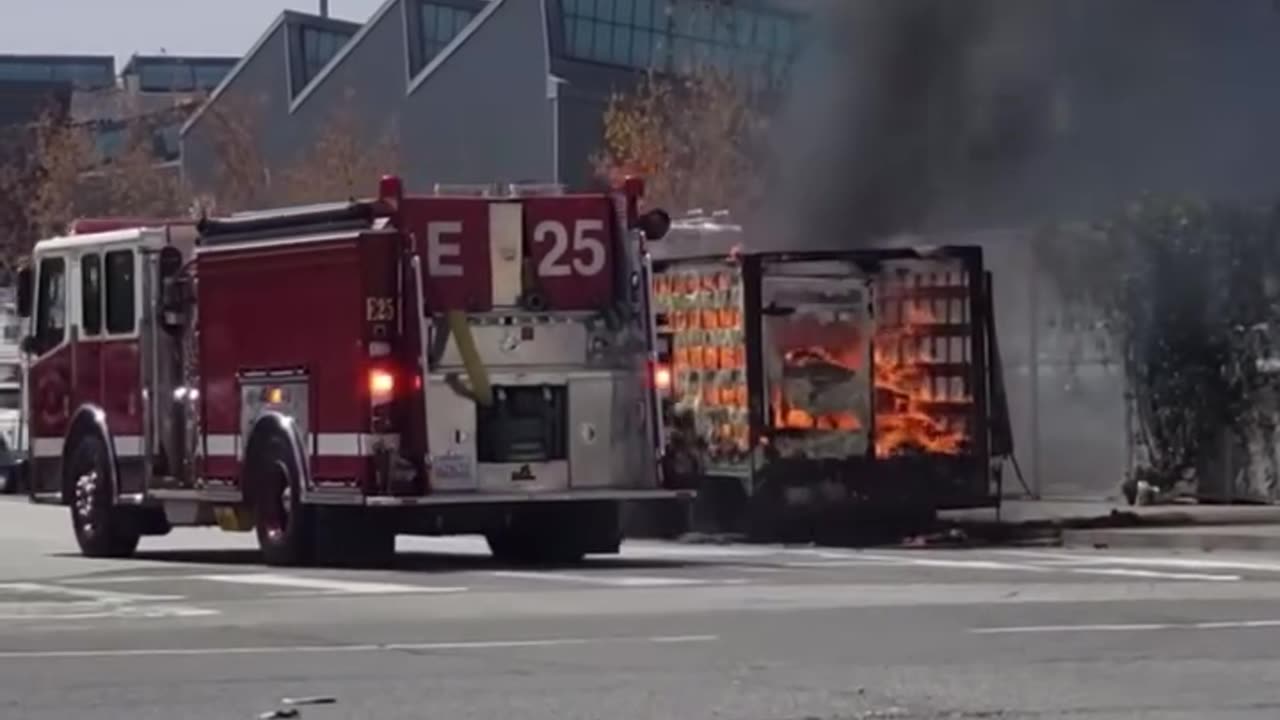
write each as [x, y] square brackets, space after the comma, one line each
[283, 522]
[102, 529]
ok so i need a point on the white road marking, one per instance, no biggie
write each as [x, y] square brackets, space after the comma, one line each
[961, 564]
[123, 579]
[89, 604]
[1140, 561]
[355, 648]
[624, 581]
[1132, 572]
[75, 610]
[101, 596]
[1127, 627]
[325, 585]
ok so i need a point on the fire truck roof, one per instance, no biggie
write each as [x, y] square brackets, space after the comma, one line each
[70, 242]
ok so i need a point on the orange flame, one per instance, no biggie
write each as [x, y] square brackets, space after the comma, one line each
[906, 417]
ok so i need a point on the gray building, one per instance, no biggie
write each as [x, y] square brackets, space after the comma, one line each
[479, 90]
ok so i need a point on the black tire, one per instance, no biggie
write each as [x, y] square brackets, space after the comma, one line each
[102, 529]
[283, 523]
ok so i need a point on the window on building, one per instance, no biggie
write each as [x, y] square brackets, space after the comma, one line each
[86, 75]
[315, 48]
[166, 77]
[51, 308]
[25, 71]
[91, 294]
[209, 76]
[166, 141]
[108, 140]
[438, 23]
[678, 34]
[120, 293]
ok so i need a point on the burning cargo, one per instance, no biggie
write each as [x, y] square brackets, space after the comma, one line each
[857, 379]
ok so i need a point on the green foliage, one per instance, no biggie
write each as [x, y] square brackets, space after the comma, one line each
[1187, 293]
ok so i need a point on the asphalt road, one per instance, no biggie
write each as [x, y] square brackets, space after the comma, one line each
[195, 627]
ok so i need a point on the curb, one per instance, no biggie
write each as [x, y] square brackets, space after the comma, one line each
[1202, 538]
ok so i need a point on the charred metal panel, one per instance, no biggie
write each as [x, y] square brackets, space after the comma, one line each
[816, 355]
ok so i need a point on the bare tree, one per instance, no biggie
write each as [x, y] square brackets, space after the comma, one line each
[695, 131]
[343, 161]
[65, 152]
[241, 179]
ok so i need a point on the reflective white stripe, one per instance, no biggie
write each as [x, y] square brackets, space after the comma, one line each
[222, 445]
[125, 445]
[128, 445]
[506, 236]
[327, 444]
[46, 447]
[351, 444]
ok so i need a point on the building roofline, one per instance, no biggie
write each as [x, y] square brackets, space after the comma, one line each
[276, 24]
[296, 17]
[192, 60]
[108, 59]
[341, 55]
[445, 53]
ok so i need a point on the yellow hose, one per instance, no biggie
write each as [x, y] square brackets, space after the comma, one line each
[477, 375]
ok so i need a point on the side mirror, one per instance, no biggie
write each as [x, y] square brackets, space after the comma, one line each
[24, 293]
[27, 345]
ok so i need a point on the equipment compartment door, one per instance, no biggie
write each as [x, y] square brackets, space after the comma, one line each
[816, 330]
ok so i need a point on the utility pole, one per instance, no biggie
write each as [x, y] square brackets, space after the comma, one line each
[324, 8]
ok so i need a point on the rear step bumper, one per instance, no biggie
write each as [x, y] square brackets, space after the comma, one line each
[547, 496]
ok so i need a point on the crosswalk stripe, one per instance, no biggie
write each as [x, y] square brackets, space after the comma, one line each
[1133, 572]
[1139, 561]
[92, 594]
[325, 585]
[615, 580]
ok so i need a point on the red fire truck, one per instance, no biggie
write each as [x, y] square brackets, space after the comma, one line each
[475, 360]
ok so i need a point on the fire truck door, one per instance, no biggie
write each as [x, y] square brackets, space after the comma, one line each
[50, 374]
[816, 352]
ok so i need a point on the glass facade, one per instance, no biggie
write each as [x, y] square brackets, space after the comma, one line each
[438, 23]
[83, 74]
[113, 137]
[156, 75]
[314, 48]
[675, 35]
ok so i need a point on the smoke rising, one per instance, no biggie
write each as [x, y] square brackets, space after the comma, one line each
[907, 115]
[947, 116]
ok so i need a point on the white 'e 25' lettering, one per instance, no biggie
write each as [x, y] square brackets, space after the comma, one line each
[440, 251]
[586, 241]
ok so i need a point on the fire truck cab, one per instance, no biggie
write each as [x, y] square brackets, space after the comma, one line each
[475, 360]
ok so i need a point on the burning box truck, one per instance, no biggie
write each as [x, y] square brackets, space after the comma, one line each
[471, 361]
[826, 381]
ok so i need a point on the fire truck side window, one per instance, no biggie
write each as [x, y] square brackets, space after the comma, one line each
[120, 299]
[91, 294]
[51, 313]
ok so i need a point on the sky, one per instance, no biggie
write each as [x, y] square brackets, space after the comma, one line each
[176, 27]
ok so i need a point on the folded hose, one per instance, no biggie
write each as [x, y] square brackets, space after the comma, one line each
[477, 375]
